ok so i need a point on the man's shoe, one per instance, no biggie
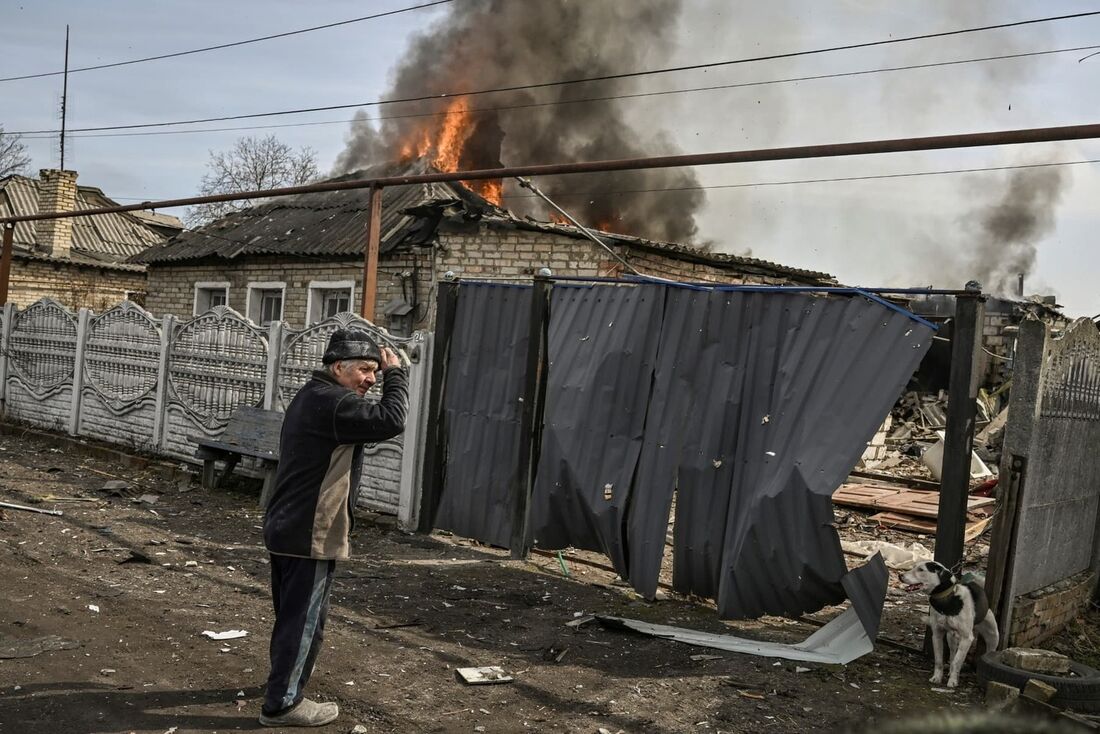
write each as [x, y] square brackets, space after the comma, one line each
[306, 713]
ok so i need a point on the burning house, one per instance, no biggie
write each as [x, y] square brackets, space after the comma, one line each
[300, 259]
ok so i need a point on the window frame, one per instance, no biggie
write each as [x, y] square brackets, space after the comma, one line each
[208, 285]
[254, 302]
[315, 297]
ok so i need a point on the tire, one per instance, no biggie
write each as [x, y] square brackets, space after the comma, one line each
[1081, 692]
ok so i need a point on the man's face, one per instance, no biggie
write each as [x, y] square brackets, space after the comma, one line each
[359, 375]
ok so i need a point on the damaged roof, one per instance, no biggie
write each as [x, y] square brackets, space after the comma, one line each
[102, 240]
[328, 223]
[333, 223]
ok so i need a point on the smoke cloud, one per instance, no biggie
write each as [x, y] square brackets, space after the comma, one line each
[1004, 233]
[483, 44]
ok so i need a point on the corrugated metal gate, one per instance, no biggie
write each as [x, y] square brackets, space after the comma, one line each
[750, 405]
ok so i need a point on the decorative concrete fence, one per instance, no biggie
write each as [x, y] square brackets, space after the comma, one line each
[1045, 551]
[155, 385]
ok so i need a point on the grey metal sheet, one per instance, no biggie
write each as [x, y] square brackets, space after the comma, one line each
[763, 402]
[602, 347]
[845, 638]
[481, 407]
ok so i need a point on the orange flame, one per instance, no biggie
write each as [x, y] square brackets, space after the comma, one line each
[445, 146]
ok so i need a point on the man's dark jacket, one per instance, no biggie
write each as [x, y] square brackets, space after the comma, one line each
[320, 462]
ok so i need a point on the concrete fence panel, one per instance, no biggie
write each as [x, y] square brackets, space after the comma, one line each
[41, 354]
[121, 363]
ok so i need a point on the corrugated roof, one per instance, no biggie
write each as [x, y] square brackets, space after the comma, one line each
[334, 223]
[327, 223]
[107, 238]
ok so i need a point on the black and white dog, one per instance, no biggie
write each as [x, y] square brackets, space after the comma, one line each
[957, 609]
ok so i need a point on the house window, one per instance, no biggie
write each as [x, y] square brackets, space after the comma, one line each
[209, 295]
[265, 302]
[328, 298]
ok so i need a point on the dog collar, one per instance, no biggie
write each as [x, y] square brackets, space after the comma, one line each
[941, 595]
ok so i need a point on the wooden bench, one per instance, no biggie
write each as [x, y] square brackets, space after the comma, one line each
[251, 432]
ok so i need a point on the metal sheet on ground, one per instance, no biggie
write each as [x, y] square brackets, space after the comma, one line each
[481, 407]
[845, 638]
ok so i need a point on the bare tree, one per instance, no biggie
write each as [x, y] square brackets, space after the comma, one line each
[252, 163]
[13, 154]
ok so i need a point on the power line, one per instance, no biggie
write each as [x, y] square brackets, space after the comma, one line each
[530, 105]
[228, 45]
[840, 179]
[794, 182]
[564, 82]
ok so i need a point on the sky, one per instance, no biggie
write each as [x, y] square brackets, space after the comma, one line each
[889, 232]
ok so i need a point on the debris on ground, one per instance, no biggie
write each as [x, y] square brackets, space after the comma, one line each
[11, 649]
[24, 508]
[1037, 661]
[896, 556]
[487, 675]
[227, 635]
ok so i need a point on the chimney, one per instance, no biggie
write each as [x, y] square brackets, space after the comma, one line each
[1020, 286]
[57, 193]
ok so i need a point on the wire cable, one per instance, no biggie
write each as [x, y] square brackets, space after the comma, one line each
[564, 82]
[532, 105]
[227, 45]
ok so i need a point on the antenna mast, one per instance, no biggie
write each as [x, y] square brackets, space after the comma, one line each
[64, 97]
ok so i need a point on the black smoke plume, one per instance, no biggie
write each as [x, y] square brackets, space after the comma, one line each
[484, 44]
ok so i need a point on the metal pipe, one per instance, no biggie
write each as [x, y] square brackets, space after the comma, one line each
[5, 262]
[370, 256]
[785, 288]
[830, 150]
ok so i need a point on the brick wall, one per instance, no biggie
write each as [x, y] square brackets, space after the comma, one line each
[74, 286]
[484, 252]
[1042, 614]
[172, 287]
[996, 341]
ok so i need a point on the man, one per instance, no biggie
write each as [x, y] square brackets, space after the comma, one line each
[309, 516]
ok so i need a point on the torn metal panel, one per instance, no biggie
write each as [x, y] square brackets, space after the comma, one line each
[763, 401]
[481, 408]
[845, 638]
[602, 348]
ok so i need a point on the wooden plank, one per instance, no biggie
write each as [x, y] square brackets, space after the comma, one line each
[974, 529]
[904, 522]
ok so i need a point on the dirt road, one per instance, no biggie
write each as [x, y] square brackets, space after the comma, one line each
[405, 613]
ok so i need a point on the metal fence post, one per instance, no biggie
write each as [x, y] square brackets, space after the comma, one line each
[5, 338]
[435, 449]
[160, 419]
[530, 416]
[82, 318]
[412, 454]
[963, 384]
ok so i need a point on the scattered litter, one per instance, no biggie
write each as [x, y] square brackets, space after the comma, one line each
[483, 676]
[359, 729]
[24, 508]
[226, 649]
[897, 557]
[94, 608]
[227, 635]
[172, 730]
[755, 695]
[147, 499]
[240, 694]
[115, 487]
[800, 669]
[704, 658]
[106, 671]
[190, 564]
[135, 557]
[29, 648]
[580, 621]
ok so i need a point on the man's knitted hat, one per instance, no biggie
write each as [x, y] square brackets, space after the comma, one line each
[351, 344]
